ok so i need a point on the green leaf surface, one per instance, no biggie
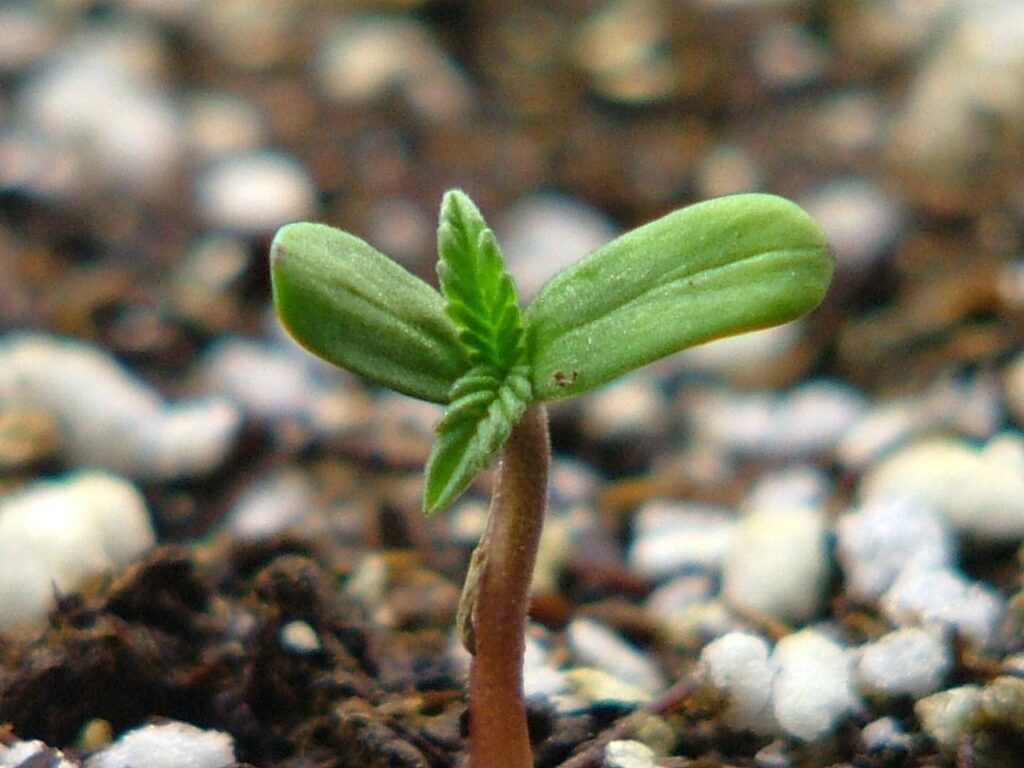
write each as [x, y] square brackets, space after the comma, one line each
[485, 405]
[491, 397]
[351, 305]
[713, 269]
[480, 294]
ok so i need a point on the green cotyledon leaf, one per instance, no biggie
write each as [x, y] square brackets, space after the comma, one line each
[491, 397]
[351, 305]
[713, 269]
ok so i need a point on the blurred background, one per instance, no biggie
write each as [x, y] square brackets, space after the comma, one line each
[149, 149]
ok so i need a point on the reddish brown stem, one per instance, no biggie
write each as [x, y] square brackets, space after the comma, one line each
[503, 568]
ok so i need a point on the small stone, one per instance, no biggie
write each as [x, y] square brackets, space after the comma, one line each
[27, 437]
[807, 421]
[748, 359]
[727, 169]
[597, 687]
[948, 715]
[737, 665]
[543, 233]
[690, 625]
[624, 49]
[980, 492]
[813, 685]
[167, 745]
[882, 428]
[671, 537]
[541, 678]
[220, 123]
[299, 638]
[788, 56]
[850, 121]
[774, 755]
[628, 754]
[101, 100]
[679, 594]
[779, 564]
[271, 505]
[108, 418]
[596, 645]
[265, 381]
[940, 598]
[885, 733]
[860, 220]
[972, 79]
[366, 56]
[877, 540]
[800, 485]
[22, 754]
[907, 662]
[1002, 701]
[254, 193]
[626, 410]
[59, 533]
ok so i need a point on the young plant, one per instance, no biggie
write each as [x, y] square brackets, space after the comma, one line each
[716, 268]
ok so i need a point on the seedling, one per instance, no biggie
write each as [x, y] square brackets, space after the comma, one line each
[717, 268]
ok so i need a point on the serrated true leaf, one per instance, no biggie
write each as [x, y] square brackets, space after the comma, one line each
[351, 305]
[480, 294]
[713, 269]
[479, 419]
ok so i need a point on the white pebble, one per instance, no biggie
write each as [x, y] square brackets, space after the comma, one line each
[799, 485]
[255, 192]
[168, 745]
[541, 677]
[885, 733]
[59, 533]
[671, 537]
[595, 686]
[365, 57]
[907, 662]
[110, 419]
[27, 753]
[632, 408]
[861, 221]
[789, 56]
[947, 715]
[877, 540]
[940, 598]
[300, 638]
[746, 358]
[221, 123]
[265, 380]
[596, 645]
[628, 754]
[737, 665]
[980, 492]
[543, 233]
[100, 99]
[271, 504]
[807, 421]
[974, 78]
[778, 566]
[679, 594]
[813, 685]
